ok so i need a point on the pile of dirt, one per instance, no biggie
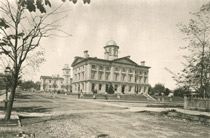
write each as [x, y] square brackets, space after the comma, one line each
[205, 120]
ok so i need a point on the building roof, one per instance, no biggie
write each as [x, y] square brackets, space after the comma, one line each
[51, 77]
[111, 42]
[123, 60]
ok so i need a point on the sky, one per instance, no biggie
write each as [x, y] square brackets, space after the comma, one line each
[143, 29]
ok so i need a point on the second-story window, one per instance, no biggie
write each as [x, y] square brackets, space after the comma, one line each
[107, 68]
[123, 77]
[100, 75]
[93, 66]
[130, 78]
[136, 78]
[93, 74]
[100, 67]
[75, 76]
[145, 79]
[107, 76]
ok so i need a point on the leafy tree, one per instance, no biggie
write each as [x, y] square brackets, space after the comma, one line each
[111, 89]
[167, 91]
[195, 74]
[33, 5]
[22, 29]
[158, 89]
[29, 84]
[181, 91]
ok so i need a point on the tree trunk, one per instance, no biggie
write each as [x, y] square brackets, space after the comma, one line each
[11, 97]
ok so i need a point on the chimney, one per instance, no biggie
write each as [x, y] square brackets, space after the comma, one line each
[86, 54]
[143, 63]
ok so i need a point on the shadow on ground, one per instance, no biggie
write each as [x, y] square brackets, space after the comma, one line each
[21, 96]
[31, 109]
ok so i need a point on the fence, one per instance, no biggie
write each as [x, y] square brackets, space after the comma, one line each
[197, 103]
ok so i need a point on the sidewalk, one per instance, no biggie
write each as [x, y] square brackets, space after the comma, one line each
[152, 109]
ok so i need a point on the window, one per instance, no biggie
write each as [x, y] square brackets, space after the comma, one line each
[140, 72]
[82, 77]
[145, 79]
[116, 77]
[75, 76]
[100, 75]
[145, 73]
[139, 89]
[115, 87]
[136, 78]
[107, 87]
[49, 81]
[123, 77]
[100, 67]
[107, 76]
[93, 66]
[130, 70]
[93, 73]
[115, 51]
[130, 88]
[140, 79]
[79, 76]
[107, 68]
[93, 87]
[116, 69]
[130, 78]
[100, 86]
[145, 89]
[123, 70]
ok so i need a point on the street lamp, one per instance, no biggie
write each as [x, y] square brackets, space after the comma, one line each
[7, 72]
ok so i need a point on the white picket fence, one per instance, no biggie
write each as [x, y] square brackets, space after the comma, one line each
[197, 103]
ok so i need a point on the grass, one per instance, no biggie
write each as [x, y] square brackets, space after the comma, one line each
[8, 134]
[8, 123]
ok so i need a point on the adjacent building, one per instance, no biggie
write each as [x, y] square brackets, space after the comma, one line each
[56, 82]
[125, 75]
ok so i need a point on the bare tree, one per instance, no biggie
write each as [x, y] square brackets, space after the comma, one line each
[21, 32]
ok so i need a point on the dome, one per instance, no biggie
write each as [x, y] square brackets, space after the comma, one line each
[111, 42]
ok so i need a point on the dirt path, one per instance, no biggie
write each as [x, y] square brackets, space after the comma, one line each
[73, 118]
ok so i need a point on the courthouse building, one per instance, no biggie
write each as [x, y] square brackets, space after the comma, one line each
[125, 75]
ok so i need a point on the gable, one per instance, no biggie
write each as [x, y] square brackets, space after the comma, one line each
[125, 60]
[77, 60]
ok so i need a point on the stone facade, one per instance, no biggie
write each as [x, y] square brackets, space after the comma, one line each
[126, 76]
[57, 83]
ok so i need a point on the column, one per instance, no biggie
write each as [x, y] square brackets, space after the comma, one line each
[112, 73]
[88, 75]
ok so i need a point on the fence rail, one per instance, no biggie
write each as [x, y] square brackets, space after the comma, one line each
[197, 103]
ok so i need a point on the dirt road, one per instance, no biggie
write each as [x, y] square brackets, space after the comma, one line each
[73, 118]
